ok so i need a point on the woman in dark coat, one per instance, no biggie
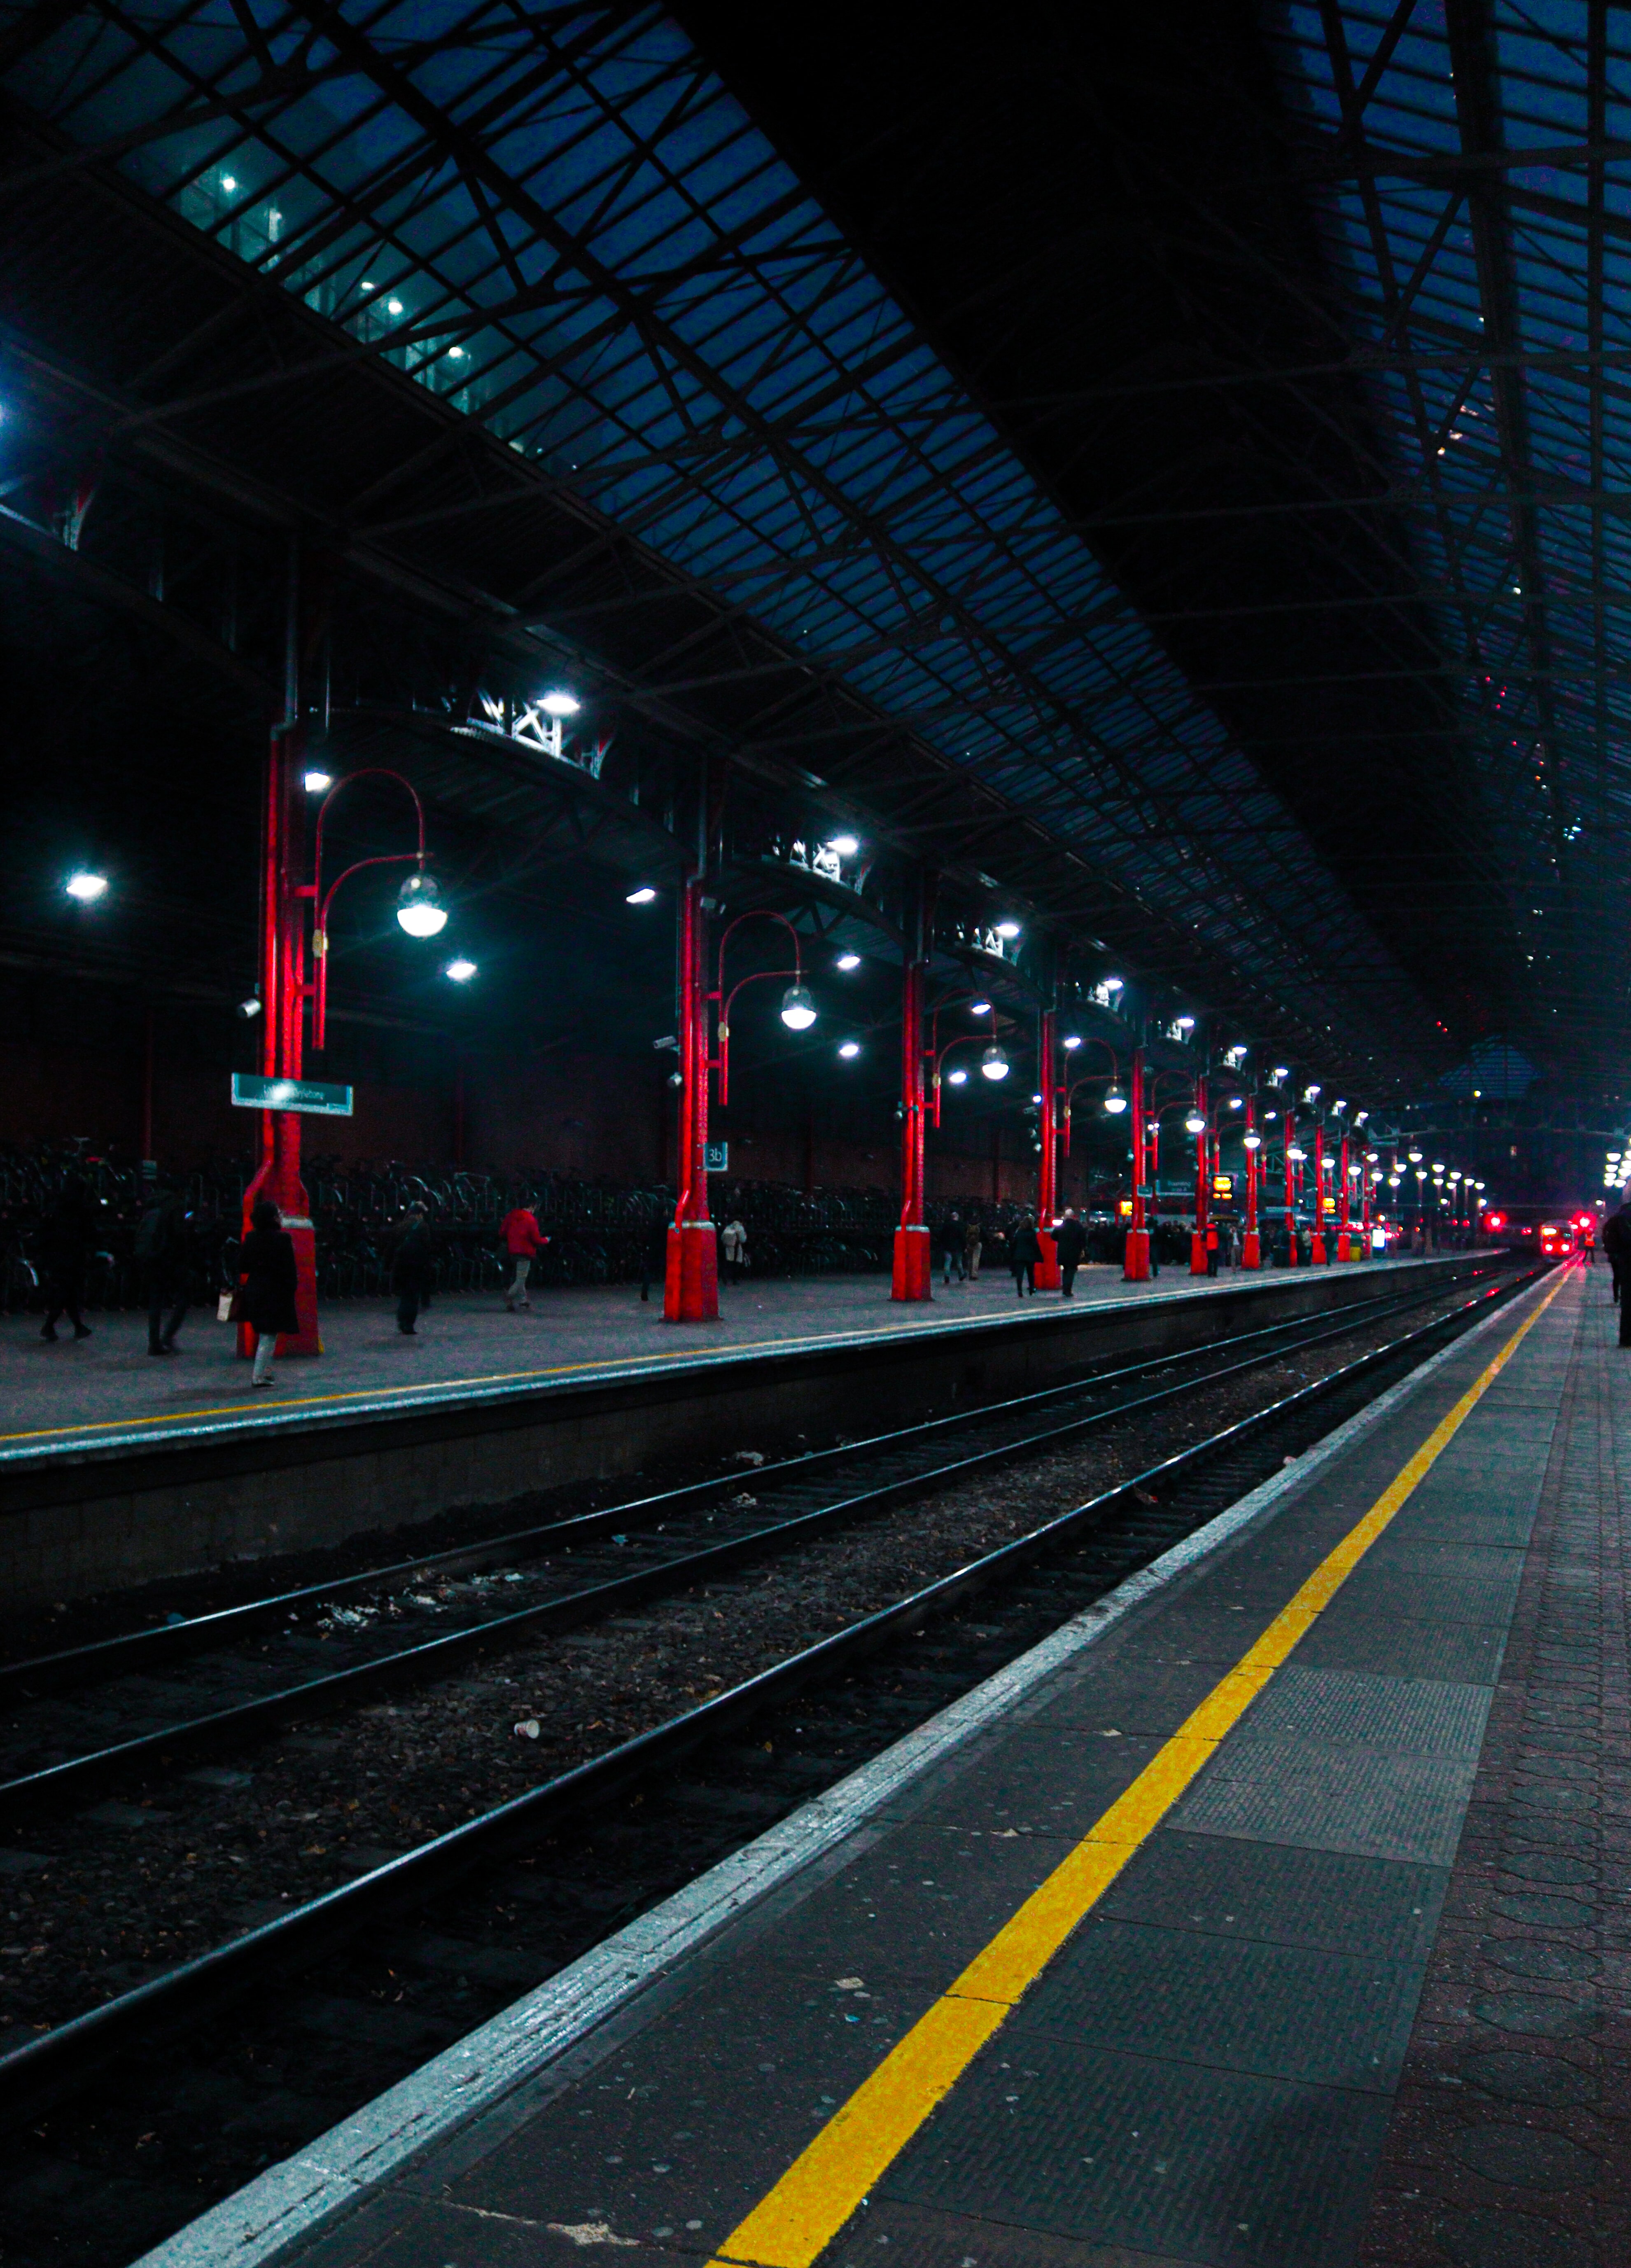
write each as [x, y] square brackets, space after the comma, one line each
[1025, 1249]
[64, 1246]
[412, 1269]
[266, 1278]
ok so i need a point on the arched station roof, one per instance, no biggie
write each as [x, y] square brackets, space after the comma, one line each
[1089, 538]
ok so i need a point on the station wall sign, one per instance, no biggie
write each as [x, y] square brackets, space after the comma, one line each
[315, 1097]
[718, 1157]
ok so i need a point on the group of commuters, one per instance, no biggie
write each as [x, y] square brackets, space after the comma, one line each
[963, 1243]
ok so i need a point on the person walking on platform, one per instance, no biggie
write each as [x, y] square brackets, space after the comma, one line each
[733, 1249]
[1071, 1245]
[411, 1271]
[1025, 1249]
[1214, 1247]
[267, 1281]
[952, 1248]
[972, 1241]
[161, 1248]
[1617, 1244]
[65, 1246]
[524, 1240]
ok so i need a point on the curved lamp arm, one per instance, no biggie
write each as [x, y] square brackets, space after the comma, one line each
[325, 899]
[722, 1062]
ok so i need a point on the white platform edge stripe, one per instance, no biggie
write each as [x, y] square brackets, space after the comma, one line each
[291, 2200]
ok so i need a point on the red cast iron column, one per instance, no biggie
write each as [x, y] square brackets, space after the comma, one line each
[1204, 1143]
[1317, 1250]
[912, 1278]
[1047, 1164]
[691, 1283]
[282, 996]
[1251, 1243]
[1135, 1267]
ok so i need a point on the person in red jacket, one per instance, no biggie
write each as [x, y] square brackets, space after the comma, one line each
[524, 1240]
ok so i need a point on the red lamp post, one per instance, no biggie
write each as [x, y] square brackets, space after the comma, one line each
[285, 990]
[1251, 1242]
[1203, 1148]
[691, 1279]
[1344, 1239]
[1135, 1266]
[1317, 1251]
[1288, 1144]
[914, 1273]
[1047, 1164]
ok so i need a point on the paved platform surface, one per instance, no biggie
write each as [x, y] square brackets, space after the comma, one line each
[68, 1393]
[1271, 1915]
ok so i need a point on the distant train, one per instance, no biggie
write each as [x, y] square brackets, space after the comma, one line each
[1554, 1236]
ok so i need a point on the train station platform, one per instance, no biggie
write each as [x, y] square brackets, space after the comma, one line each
[1270, 1914]
[116, 1467]
[54, 1395]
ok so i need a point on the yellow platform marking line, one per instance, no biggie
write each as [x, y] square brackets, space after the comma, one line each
[607, 1366]
[823, 2185]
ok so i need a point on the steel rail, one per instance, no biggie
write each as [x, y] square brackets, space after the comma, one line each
[132, 1652]
[75, 1776]
[50, 2068]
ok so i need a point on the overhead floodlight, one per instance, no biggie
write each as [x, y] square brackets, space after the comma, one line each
[1279, 1071]
[846, 845]
[318, 782]
[1070, 1040]
[1360, 1118]
[87, 888]
[957, 1077]
[850, 1049]
[1185, 1023]
[250, 1009]
[642, 897]
[1414, 1157]
[560, 704]
[1252, 1141]
[419, 907]
[1194, 1124]
[847, 961]
[979, 1008]
[798, 1010]
[1237, 1102]
[1310, 1095]
[1296, 1153]
[1112, 984]
[1009, 930]
[460, 971]
[993, 1063]
[1115, 1102]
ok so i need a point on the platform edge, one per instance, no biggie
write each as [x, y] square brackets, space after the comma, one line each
[291, 2201]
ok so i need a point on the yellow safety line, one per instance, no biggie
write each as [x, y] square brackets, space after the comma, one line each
[823, 2185]
[607, 1366]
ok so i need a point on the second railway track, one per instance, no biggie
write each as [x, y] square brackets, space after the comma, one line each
[801, 1575]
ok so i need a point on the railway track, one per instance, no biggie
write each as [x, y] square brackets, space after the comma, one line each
[542, 1898]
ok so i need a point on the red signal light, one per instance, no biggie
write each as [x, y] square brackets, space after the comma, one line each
[1495, 1220]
